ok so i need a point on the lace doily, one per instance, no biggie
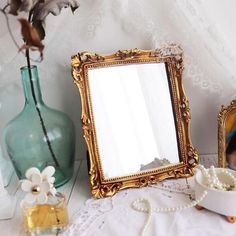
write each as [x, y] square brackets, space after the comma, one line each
[98, 214]
[115, 216]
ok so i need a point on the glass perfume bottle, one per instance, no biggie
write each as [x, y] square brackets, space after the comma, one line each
[49, 218]
[40, 136]
[44, 209]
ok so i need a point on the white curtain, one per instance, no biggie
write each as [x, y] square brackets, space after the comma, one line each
[204, 29]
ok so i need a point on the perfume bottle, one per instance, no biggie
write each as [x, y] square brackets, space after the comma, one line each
[44, 209]
[48, 218]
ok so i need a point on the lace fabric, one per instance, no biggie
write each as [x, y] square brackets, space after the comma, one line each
[115, 216]
[99, 214]
[89, 216]
[109, 216]
[184, 22]
[157, 23]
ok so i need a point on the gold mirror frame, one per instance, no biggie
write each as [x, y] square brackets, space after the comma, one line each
[222, 118]
[171, 55]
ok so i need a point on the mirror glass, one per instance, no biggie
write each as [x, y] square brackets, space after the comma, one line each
[133, 117]
[230, 140]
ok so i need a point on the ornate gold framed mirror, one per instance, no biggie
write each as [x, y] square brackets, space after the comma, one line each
[227, 136]
[135, 117]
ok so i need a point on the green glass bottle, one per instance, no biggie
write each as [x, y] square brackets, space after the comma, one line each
[40, 136]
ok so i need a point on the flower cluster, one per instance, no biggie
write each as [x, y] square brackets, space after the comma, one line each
[38, 185]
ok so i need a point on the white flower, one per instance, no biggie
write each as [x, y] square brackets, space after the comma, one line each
[38, 185]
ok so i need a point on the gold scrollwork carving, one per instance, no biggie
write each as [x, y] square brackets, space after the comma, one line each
[184, 106]
[127, 54]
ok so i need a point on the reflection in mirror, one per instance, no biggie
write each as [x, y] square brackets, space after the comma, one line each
[230, 140]
[133, 116]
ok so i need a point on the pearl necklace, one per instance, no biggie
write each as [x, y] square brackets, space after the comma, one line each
[212, 181]
[150, 210]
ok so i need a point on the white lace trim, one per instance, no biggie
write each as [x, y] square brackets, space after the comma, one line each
[95, 213]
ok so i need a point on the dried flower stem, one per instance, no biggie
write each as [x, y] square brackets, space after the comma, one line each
[27, 54]
[38, 110]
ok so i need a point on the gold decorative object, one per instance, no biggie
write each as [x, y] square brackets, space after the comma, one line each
[171, 56]
[226, 128]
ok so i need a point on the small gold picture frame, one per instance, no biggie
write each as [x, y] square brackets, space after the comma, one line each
[227, 136]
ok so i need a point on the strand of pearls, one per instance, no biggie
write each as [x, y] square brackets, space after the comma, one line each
[212, 181]
[232, 177]
[137, 205]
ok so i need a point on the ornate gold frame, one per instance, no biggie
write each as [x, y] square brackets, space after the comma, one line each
[222, 118]
[172, 56]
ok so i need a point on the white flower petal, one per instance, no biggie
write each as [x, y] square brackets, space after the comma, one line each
[31, 171]
[48, 172]
[30, 198]
[45, 187]
[36, 178]
[51, 180]
[42, 198]
[26, 185]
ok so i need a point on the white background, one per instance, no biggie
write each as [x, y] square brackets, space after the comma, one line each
[205, 29]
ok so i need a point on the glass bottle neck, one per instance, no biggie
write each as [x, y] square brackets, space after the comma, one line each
[31, 86]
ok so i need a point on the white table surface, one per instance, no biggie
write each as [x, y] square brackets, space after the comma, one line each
[77, 191]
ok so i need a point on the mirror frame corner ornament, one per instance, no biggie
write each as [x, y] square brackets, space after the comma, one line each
[172, 56]
[222, 117]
